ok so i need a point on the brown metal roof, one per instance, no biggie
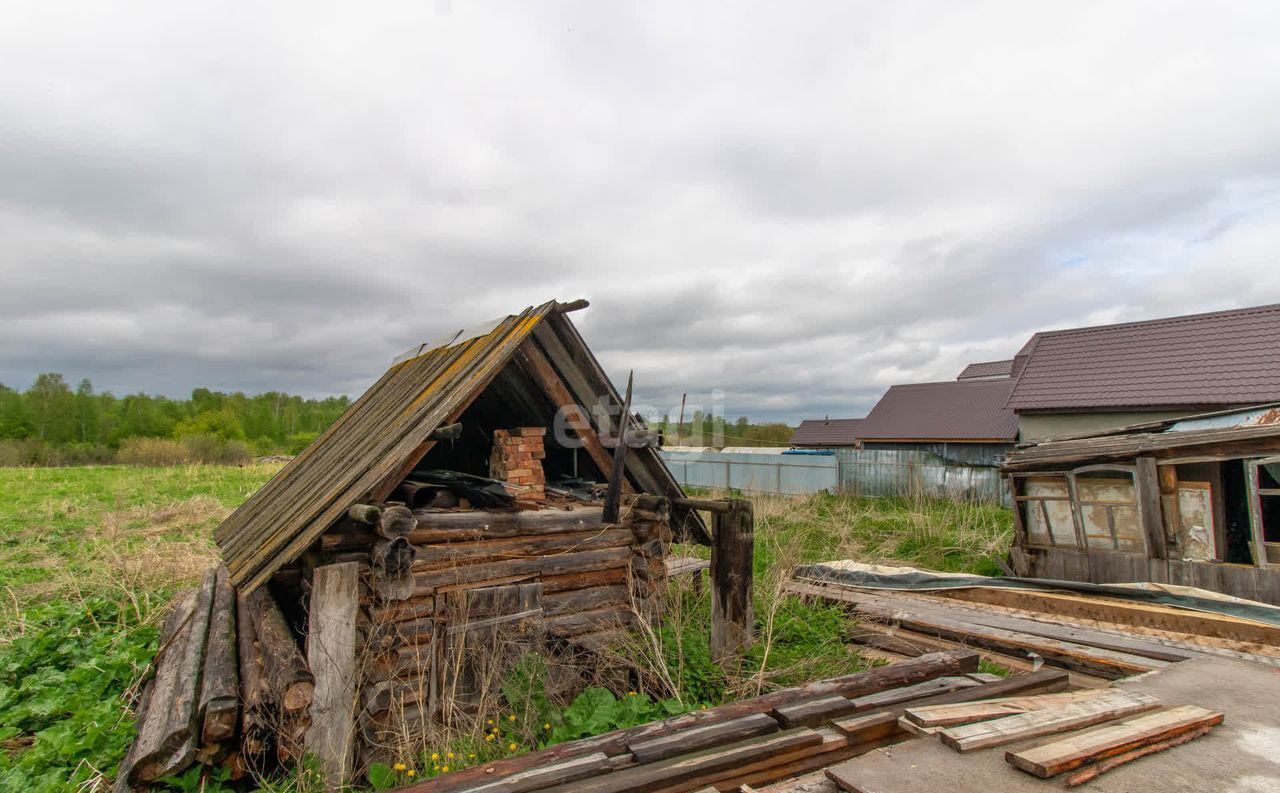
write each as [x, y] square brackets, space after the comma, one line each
[959, 410]
[826, 432]
[1223, 358]
[987, 370]
[385, 432]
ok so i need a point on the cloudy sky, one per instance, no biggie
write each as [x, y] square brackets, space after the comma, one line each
[799, 207]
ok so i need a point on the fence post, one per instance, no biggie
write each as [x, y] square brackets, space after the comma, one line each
[732, 557]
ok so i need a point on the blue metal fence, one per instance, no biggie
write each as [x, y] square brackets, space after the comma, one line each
[870, 472]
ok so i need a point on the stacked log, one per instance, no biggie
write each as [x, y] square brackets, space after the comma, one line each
[189, 708]
[286, 682]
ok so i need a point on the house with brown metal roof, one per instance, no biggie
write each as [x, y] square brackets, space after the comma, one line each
[959, 420]
[1082, 380]
[826, 433]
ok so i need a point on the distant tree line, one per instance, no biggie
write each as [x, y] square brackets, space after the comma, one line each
[710, 430]
[53, 423]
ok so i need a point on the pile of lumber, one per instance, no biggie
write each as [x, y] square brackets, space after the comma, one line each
[218, 652]
[1132, 728]
[752, 741]
[897, 624]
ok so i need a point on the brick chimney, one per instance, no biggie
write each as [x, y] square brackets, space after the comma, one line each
[517, 460]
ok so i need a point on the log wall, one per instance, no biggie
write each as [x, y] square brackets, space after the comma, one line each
[489, 586]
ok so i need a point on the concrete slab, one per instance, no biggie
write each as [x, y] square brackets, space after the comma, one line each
[1240, 756]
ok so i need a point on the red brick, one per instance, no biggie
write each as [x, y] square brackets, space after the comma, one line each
[529, 432]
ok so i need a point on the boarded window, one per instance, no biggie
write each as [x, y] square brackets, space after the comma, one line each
[1195, 519]
[1108, 503]
[1046, 511]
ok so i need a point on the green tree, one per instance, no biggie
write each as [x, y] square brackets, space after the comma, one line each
[52, 408]
[212, 423]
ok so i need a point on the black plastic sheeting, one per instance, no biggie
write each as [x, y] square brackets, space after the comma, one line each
[924, 581]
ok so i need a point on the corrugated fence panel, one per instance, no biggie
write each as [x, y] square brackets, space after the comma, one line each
[755, 473]
[895, 472]
[868, 472]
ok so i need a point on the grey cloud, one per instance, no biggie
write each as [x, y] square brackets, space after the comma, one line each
[797, 207]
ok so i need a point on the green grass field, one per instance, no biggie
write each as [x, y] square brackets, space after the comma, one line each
[90, 556]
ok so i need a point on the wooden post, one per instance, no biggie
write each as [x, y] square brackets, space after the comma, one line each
[331, 653]
[1147, 482]
[732, 556]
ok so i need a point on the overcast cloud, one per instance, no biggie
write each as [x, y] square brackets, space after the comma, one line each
[799, 204]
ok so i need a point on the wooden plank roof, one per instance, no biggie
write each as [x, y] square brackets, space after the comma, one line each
[387, 430]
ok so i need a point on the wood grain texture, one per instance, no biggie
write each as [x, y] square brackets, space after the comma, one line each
[331, 654]
[1072, 716]
[1068, 754]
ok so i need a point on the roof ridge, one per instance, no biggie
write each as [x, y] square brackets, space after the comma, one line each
[1163, 320]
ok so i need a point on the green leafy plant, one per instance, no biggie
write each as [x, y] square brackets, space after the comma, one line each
[597, 711]
[61, 683]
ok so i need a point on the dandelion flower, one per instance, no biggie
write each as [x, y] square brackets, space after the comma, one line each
[435, 756]
[512, 747]
[490, 722]
[444, 769]
[631, 693]
[471, 756]
[410, 772]
[512, 717]
[489, 737]
[399, 767]
[449, 755]
[546, 726]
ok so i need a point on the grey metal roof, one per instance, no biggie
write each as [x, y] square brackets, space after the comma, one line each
[826, 432]
[954, 410]
[1224, 358]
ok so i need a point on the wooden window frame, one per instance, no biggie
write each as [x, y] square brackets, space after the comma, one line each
[1078, 512]
[1044, 511]
[1256, 491]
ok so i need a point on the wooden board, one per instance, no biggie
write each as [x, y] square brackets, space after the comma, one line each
[331, 655]
[941, 685]
[984, 710]
[703, 737]
[547, 776]
[1072, 716]
[1068, 754]
[670, 774]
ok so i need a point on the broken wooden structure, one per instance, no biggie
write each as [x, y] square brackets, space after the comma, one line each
[1192, 501]
[489, 496]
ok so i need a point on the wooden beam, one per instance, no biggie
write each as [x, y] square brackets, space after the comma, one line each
[1072, 716]
[575, 416]
[732, 560]
[1147, 484]
[1068, 754]
[331, 654]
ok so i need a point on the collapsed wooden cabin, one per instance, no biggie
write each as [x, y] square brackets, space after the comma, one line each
[1192, 501]
[489, 495]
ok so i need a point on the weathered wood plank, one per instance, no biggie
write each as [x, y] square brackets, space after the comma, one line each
[1068, 754]
[546, 776]
[665, 774]
[1072, 716]
[331, 655]
[857, 684]
[969, 712]
[1092, 772]
[731, 570]
[941, 685]
[220, 683]
[702, 737]
[814, 711]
